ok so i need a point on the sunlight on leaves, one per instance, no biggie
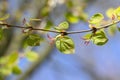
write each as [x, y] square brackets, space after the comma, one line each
[16, 70]
[71, 18]
[65, 45]
[99, 38]
[31, 55]
[117, 12]
[62, 26]
[87, 36]
[6, 70]
[110, 12]
[13, 58]
[96, 18]
[32, 40]
[48, 25]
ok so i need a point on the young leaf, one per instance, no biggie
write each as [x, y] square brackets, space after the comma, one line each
[13, 58]
[110, 12]
[62, 26]
[99, 38]
[70, 4]
[71, 18]
[31, 55]
[45, 11]
[96, 18]
[87, 36]
[16, 70]
[117, 12]
[6, 16]
[65, 44]
[4, 60]
[33, 40]
[49, 24]
[6, 70]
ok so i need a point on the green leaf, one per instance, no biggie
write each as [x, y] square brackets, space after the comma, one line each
[6, 70]
[4, 60]
[13, 58]
[83, 16]
[99, 38]
[62, 26]
[87, 36]
[117, 12]
[96, 18]
[16, 70]
[110, 12]
[33, 40]
[6, 16]
[72, 18]
[45, 11]
[1, 34]
[31, 55]
[65, 44]
[49, 24]
[112, 30]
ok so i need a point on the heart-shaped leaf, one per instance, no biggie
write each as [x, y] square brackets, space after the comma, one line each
[65, 44]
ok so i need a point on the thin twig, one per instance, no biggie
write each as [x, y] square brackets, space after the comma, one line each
[89, 30]
[30, 27]
[66, 32]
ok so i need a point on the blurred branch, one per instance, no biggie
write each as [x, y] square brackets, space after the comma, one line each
[42, 56]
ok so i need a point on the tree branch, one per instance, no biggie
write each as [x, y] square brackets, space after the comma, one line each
[66, 32]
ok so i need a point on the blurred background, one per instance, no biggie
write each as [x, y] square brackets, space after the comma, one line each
[88, 63]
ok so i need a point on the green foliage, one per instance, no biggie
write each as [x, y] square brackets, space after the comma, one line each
[110, 12]
[69, 4]
[8, 63]
[117, 12]
[65, 44]
[62, 26]
[71, 18]
[31, 55]
[6, 16]
[48, 25]
[6, 70]
[96, 18]
[1, 33]
[16, 70]
[87, 36]
[45, 11]
[99, 38]
[33, 40]
[12, 58]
